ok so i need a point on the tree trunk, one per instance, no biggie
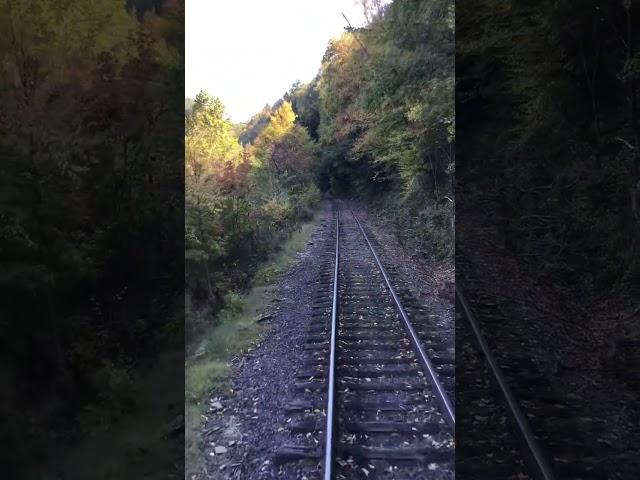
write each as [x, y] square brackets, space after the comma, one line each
[212, 297]
[633, 120]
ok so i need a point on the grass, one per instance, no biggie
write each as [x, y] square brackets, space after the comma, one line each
[235, 330]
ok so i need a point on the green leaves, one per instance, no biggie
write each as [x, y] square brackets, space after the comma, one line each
[394, 105]
[387, 115]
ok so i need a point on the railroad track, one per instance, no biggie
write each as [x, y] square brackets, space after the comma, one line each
[517, 424]
[497, 441]
[374, 397]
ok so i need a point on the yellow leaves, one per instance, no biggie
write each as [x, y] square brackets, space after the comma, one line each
[281, 122]
[210, 142]
[254, 161]
[65, 38]
[340, 49]
[278, 210]
[111, 24]
[91, 25]
[162, 29]
[414, 113]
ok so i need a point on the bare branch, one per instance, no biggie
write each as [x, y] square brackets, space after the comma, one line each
[357, 38]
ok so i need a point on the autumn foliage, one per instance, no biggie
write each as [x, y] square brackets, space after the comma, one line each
[241, 201]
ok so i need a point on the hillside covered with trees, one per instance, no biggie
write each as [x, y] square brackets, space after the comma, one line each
[548, 106]
[548, 230]
[241, 201]
[376, 122]
[548, 226]
[90, 207]
[387, 125]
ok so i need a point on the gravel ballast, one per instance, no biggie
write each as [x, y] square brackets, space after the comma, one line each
[246, 424]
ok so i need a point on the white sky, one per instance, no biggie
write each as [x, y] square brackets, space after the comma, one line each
[249, 52]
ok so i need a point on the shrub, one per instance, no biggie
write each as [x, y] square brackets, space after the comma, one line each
[279, 212]
[307, 201]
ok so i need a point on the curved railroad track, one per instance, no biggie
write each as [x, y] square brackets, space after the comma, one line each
[374, 398]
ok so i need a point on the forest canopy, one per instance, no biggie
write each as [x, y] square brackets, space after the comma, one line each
[90, 194]
[387, 123]
[558, 129]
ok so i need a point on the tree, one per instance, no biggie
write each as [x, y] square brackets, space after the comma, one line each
[305, 103]
[210, 142]
[557, 127]
[88, 206]
[387, 122]
[281, 121]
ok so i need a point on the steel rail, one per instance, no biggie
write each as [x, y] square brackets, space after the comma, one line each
[429, 369]
[329, 441]
[535, 457]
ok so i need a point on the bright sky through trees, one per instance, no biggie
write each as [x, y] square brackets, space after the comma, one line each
[249, 52]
